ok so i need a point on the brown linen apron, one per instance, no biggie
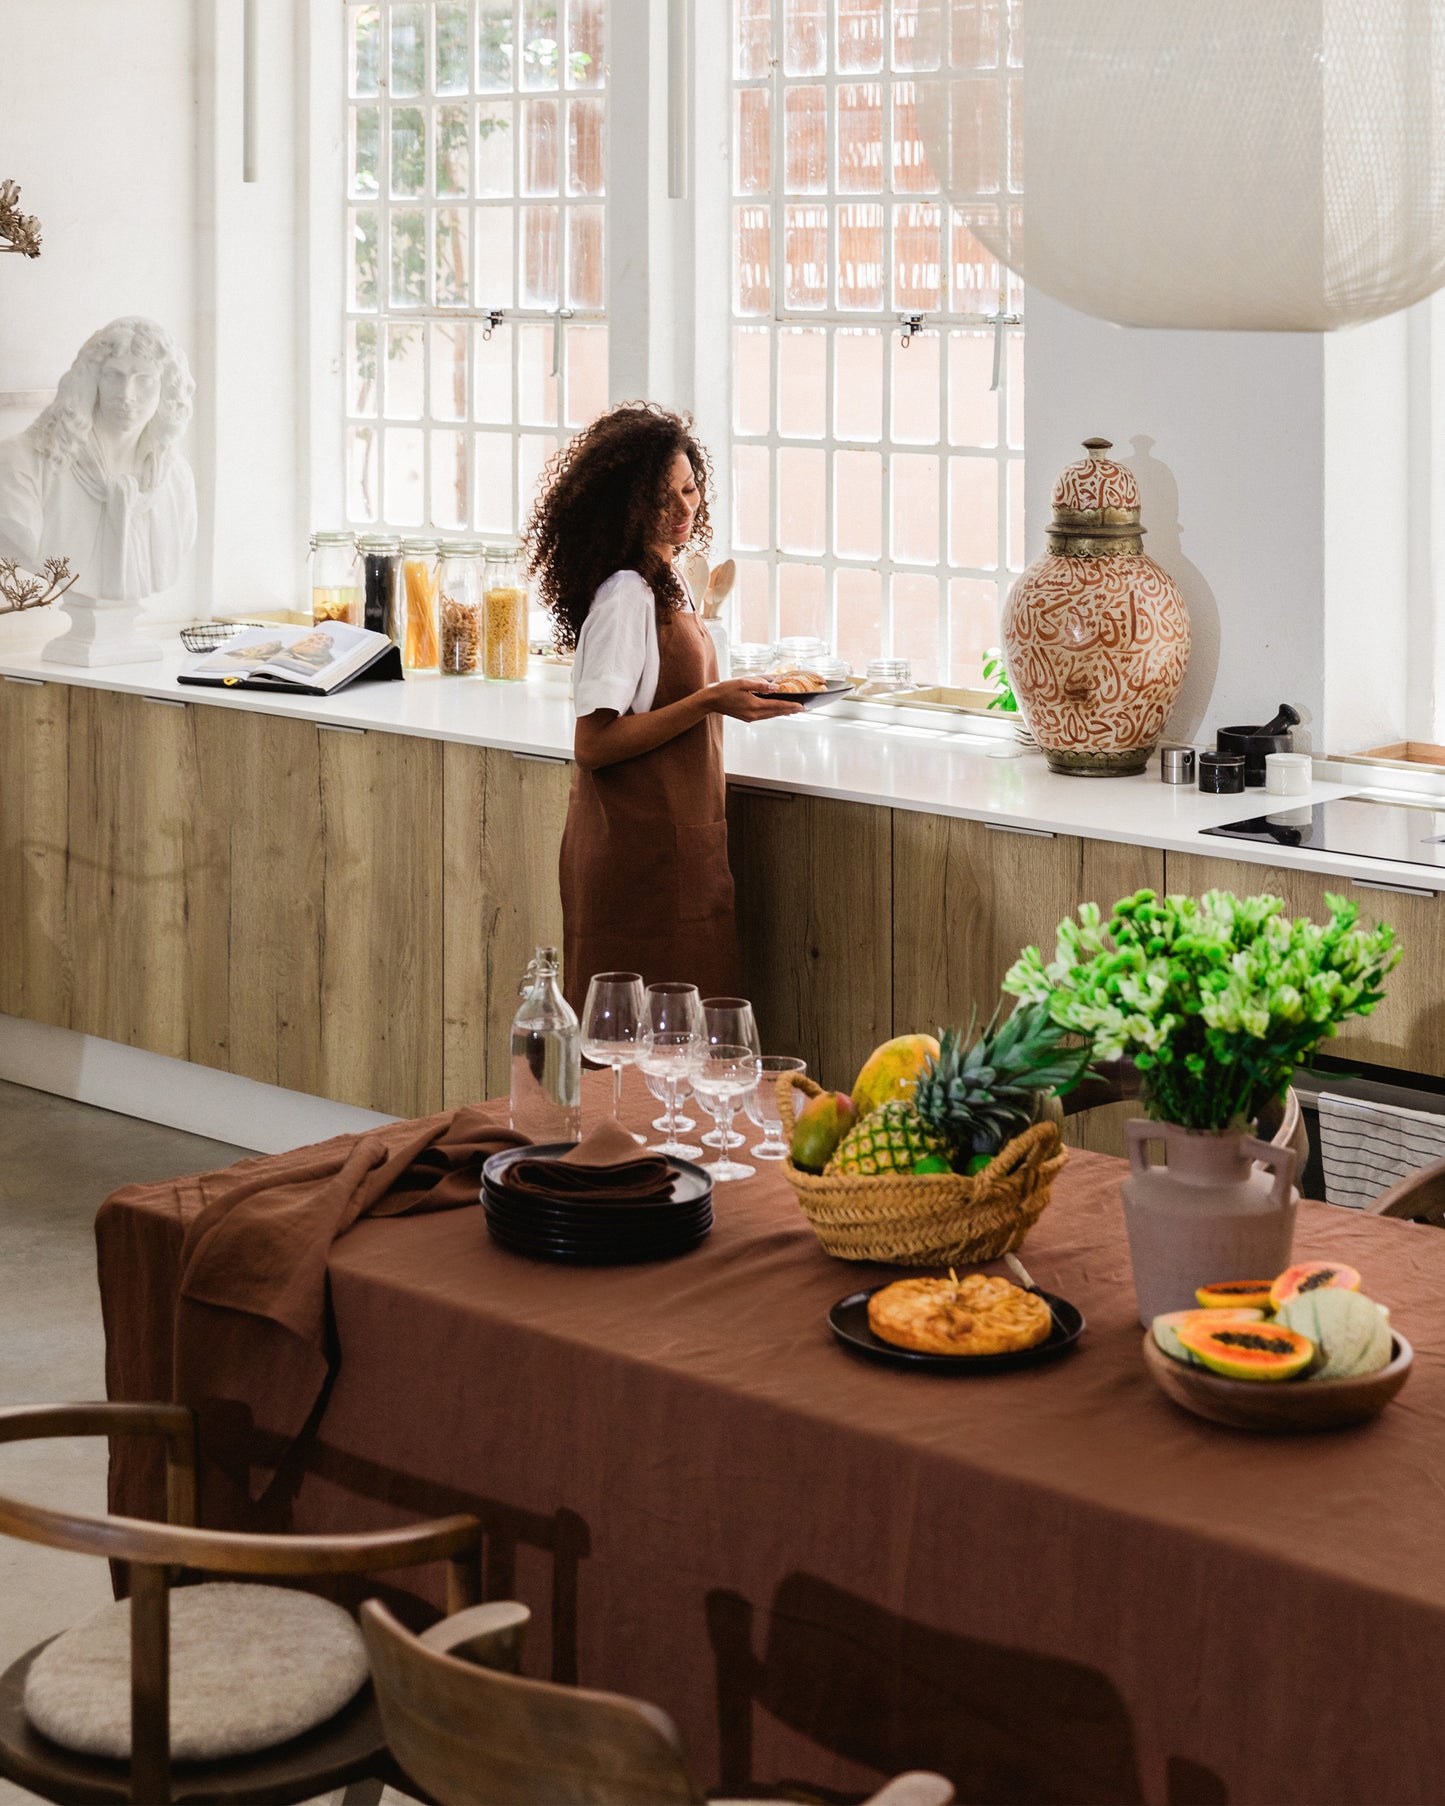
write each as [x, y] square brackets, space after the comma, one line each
[646, 885]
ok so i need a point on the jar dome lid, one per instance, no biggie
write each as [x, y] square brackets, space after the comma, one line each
[1096, 491]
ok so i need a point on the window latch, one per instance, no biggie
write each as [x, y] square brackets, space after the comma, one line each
[494, 320]
[998, 321]
[561, 314]
[909, 325]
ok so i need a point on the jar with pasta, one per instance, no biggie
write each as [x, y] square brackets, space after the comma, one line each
[419, 600]
[335, 579]
[459, 607]
[505, 605]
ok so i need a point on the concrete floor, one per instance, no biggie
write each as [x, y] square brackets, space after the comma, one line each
[58, 1160]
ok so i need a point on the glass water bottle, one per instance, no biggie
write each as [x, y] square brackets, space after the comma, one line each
[546, 1058]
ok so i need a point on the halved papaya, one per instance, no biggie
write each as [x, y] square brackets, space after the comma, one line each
[1312, 1276]
[1248, 1351]
[1231, 1293]
[1166, 1328]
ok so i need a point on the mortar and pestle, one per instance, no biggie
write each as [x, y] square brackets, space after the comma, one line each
[1255, 744]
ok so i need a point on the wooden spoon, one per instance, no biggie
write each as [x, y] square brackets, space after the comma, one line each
[694, 568]
[719, 588]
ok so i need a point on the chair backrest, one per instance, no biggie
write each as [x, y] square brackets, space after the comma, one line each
[471, 1735]
[1419, 1197]
[153, 1550]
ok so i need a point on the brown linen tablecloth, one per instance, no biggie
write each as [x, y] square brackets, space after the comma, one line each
[1051, 1585]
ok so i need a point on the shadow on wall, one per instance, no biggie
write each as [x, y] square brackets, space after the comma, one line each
[1159, 503]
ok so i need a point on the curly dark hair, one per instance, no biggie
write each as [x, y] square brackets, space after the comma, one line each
[603, 507]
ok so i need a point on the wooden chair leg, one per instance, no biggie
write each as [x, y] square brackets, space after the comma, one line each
[150, 1682]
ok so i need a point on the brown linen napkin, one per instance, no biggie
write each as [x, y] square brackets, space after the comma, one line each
[251, 1353]
[603, 1168]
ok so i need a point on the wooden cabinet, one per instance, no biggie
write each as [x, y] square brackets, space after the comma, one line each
[1408, 1028]
[968, 897]
[501, 834]
[815, 920]
[34, 782]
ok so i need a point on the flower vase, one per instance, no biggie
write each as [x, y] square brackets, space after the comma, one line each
[1207, 1214]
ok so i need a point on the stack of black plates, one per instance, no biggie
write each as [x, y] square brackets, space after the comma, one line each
[581, 1232]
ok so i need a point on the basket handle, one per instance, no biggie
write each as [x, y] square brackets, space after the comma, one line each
[786, 1082]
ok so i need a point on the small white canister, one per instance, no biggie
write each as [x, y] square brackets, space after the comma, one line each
[1288, 774]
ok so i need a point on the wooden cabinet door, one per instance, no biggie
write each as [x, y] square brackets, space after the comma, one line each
[968, 897]
[815, 917]
[333, 946]
[34, 782]
[1407, 1030]
[146, 890]
[502, 832]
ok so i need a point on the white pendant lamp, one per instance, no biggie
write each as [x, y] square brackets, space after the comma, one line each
[1247, 164]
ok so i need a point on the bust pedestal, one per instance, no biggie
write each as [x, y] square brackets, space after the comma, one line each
[101, 632]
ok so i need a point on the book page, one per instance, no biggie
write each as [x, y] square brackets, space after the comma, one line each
[310, 656]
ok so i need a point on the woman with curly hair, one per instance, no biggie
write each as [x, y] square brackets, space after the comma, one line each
[646, 885]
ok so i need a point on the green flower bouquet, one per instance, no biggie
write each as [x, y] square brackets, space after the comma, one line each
[1216, 999]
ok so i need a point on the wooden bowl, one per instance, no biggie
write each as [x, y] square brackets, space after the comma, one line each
[1281, 1407]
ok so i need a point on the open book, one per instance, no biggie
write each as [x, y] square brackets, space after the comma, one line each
[315, 660]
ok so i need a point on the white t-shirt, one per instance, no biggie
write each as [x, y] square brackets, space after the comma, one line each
[616, 663]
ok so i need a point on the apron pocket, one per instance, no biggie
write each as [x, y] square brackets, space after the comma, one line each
[704, 878]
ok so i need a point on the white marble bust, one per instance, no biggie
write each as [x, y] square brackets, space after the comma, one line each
[98, 478]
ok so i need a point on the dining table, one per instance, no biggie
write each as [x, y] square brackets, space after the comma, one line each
[1050, 1584]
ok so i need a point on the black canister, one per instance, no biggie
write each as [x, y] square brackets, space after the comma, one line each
[1221, 773]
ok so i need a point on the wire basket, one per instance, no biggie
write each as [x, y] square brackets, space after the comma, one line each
[205, 636]
[927, 1219]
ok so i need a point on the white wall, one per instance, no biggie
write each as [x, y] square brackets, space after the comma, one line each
[121, 120]
[97, 124]
[1225, 434]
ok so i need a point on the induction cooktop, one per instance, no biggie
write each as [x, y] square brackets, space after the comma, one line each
[1351, 824]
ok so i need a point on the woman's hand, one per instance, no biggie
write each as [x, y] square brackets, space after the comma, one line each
[747, 699]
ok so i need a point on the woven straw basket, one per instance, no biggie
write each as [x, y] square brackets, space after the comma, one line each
[927, 1219]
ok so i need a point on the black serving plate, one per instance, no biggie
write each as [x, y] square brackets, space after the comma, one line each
[599, 1226]
[568, 1251]
[834, 687]
[849, 1322]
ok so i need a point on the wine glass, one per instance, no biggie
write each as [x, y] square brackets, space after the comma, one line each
[677, 1032]
[762, 1104]
[730, 1020]
[614, 1019]
[721, 1079]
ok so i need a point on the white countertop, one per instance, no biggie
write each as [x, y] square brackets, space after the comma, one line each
[816, 754]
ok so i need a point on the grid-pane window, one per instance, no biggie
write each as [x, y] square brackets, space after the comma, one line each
[475, 323]
[877, 472]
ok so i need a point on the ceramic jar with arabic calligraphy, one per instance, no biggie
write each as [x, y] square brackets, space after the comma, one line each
[1095, 634]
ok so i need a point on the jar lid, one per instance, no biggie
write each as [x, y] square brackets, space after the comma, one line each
[345, 538]
[463, 548]
[504, 548]
[1096, 492]
[378, 542]
[421, 546]
[882, 669]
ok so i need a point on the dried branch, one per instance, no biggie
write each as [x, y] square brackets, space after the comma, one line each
[18, 591]
[18, 231]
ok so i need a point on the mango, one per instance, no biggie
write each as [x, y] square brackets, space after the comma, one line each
[818, 1128]
[891, 1071]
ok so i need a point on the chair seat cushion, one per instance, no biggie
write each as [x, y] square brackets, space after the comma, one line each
[251, 1666]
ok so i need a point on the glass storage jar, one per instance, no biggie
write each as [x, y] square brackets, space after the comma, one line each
[886, 677]
[381, 583]
[335, 579]
[505, 604]
[460, 607]
[419, 582]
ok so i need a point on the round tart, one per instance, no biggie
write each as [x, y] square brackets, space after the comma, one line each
[979, 1314]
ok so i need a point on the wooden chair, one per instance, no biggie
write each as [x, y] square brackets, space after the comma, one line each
[470, 1731]
[349, 1747]
[1418, 1197]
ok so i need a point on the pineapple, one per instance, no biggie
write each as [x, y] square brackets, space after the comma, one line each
[976, 1097]
[889, 1139]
